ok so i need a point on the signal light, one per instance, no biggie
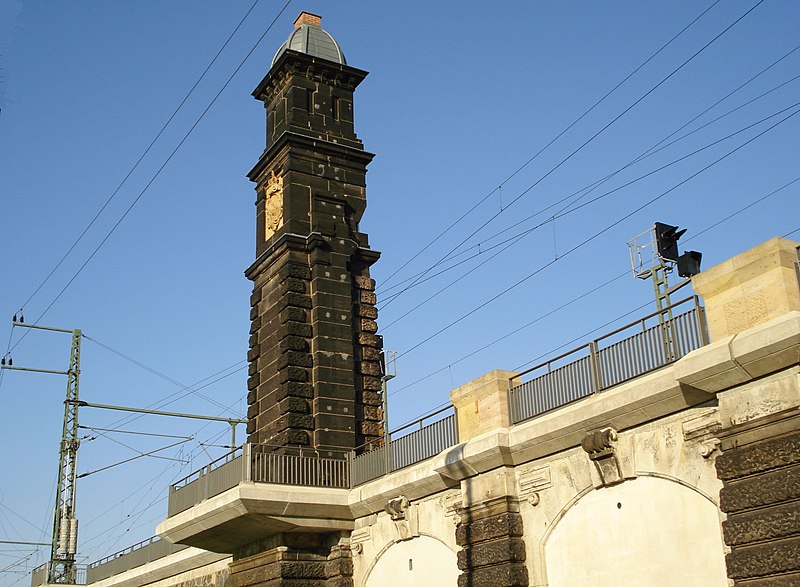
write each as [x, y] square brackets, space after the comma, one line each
[667, 241]
[689, 263]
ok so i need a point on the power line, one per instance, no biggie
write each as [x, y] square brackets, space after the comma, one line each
[657, 147]
[142, 156]
[564, 212]
[558, 136]
[594, 236]
[161, 168]
[595, 135]
[583, 296]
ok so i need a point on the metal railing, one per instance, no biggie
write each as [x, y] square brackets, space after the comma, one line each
[412, 447]
[39, 575]
[260, 463]
[609, 360]
[305, 467]
[220, 475]
[134, 556]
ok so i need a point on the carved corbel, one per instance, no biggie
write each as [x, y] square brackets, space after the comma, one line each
[600, 445]
[403, 516]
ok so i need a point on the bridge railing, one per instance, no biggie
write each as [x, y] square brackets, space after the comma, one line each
[39, 575]
[409, 444]
[134, 556]
[637, 348]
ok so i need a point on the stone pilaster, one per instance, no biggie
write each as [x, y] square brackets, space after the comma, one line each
[492, 549]
[294, 560]
[489, 532]
[760, 470]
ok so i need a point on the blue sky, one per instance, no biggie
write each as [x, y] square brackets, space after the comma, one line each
[460, 96]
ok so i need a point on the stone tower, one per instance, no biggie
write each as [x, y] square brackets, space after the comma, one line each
[314, 358]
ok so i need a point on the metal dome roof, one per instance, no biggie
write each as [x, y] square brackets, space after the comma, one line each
[308, 37]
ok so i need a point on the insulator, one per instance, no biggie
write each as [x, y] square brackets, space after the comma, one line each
[72, 546]
[63, 534]
[3, 361]
[10, 361]
[21, 319]
[14, 319]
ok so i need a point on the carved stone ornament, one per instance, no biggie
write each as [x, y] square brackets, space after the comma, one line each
[600, 445]
[273, 204]
[404, 517]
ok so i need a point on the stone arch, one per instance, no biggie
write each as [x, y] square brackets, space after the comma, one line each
[423, 560]
[651, 531]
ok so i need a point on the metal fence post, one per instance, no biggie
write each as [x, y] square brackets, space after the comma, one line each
[594, 366]
[247, 462]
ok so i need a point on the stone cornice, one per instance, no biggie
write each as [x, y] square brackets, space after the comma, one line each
[296, 63]
[294, 140]
[298, 242]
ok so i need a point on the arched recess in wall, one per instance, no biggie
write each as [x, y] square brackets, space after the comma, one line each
[421, 561]
[651, 531]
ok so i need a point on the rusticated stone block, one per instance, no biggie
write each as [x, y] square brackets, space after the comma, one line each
[294, 404]
[371, 429]
[373, 413]
[255, 325]
[372, 384]
[294, 270]
[764, 559]
[299, 329]
[369, 339]
[372, 368]
[294, 374]
[493, 552]
[253, 340]
[251, 426]
[251, 397]
[252, 411]
[292, 284]
[757, 457]
[294, 343]
[255, 297]
[295, 389]
[295, 358]
[499, 526]
[509, 575]
[790, 580]
[290, 436]
[252, 369]
[296, 300]
[367, 297]
[369, 353]
[252, 382]
[252, 354]
[292, 314]
[303, 570]
[365, 311]
[363, 282]
[371, 398]
[368, 325]
[774, 487]
[764, 524]
[254, 312]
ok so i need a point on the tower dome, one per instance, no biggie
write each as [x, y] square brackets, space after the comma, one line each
[309, 37]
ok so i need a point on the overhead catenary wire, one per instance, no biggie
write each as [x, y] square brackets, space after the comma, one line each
[591, 238]
[657, 147]
[143, 155]
[594, 136]
[584, 295]
[159, 170]
[564, 212]
[550, 143]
